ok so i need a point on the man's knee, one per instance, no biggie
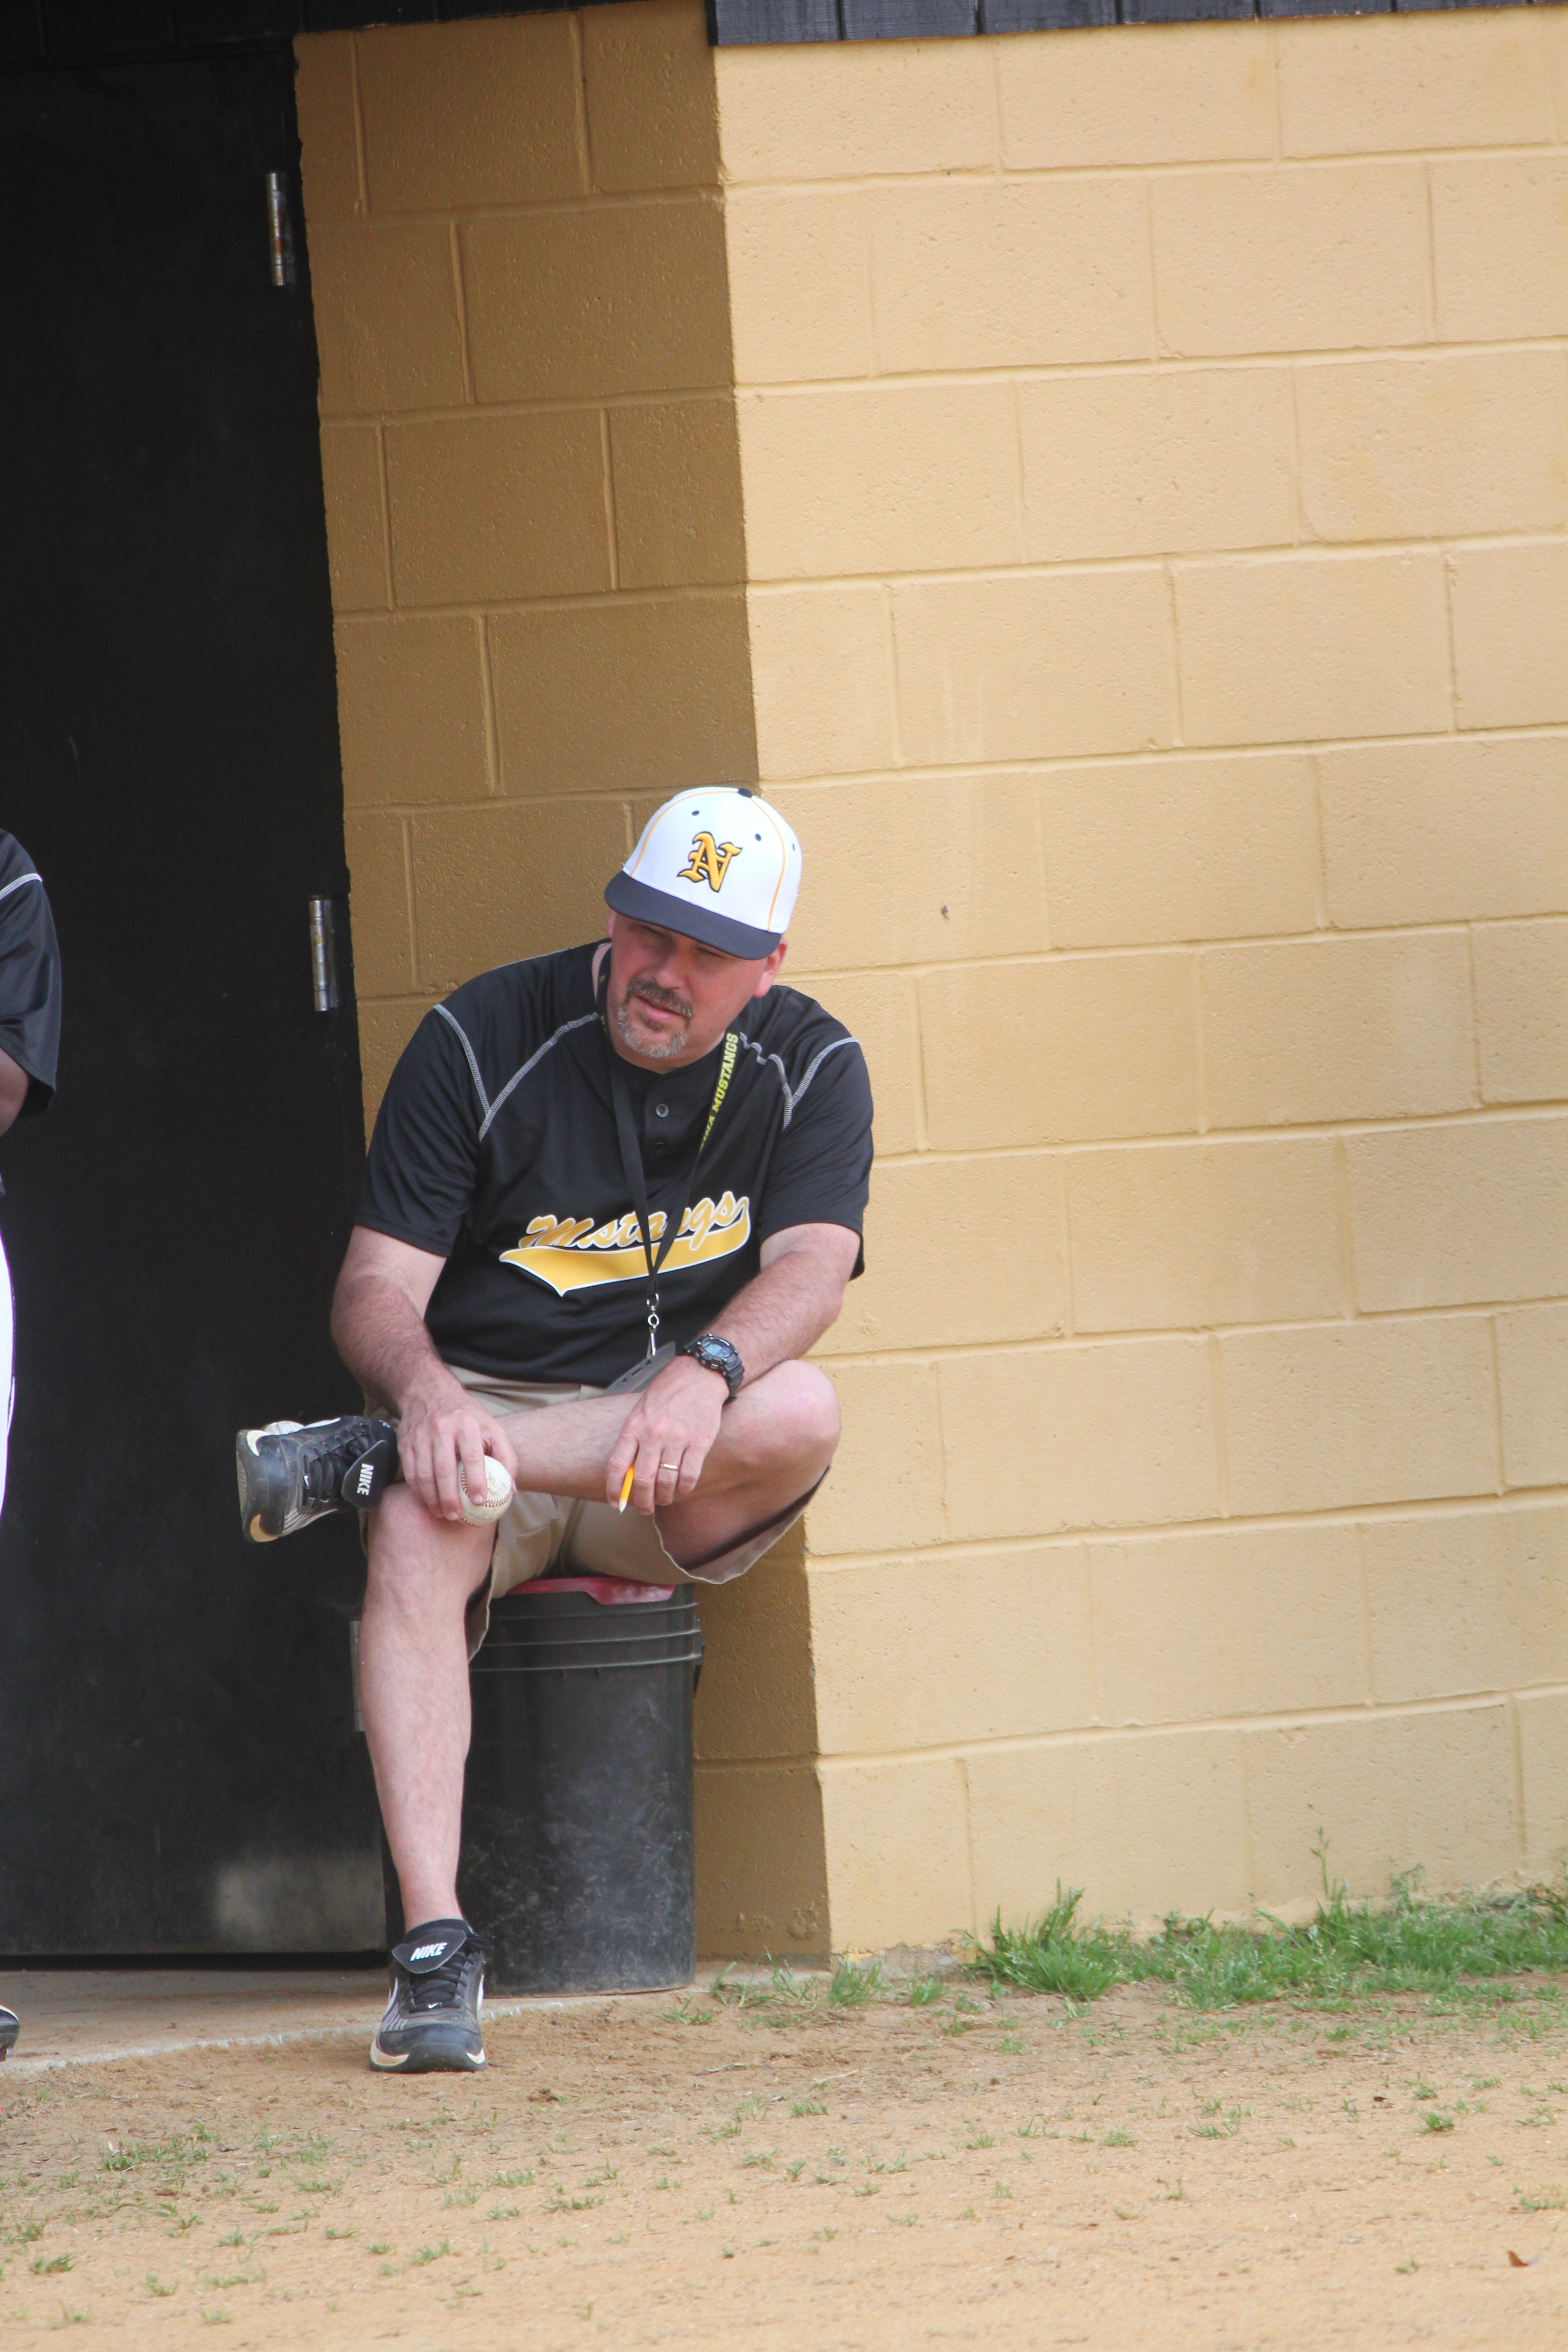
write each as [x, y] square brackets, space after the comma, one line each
[420, 1561]
[803, 1413]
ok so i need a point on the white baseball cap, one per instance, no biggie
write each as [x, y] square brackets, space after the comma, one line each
[717, 864]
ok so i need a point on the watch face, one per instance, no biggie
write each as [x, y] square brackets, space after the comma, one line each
[718, 1355]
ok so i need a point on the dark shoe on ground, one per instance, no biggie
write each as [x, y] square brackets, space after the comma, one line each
[10, 2026]
[432, 2021]
[290, 1475]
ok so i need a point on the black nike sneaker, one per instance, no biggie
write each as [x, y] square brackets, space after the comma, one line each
[290, 1475]
[10, 2026]
[432, 2021]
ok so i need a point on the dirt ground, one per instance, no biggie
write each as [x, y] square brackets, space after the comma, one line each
[678, 2172]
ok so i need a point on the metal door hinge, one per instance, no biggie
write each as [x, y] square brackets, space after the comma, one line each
[324, 954]
[280, 228]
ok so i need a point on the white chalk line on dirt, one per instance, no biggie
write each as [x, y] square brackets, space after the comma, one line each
[532, 2004]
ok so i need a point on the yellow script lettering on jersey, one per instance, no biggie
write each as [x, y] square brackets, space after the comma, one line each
[574, 1253]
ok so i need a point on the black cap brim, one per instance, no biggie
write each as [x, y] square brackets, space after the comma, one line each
[644, 905]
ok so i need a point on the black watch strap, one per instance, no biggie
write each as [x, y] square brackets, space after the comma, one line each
[717, 1356]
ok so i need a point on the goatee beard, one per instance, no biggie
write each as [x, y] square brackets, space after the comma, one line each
[654, 1049]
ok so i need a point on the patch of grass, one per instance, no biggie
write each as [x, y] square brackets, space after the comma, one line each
[854, 1983]
[429, 2254]
[1412, 1943]
[789, 1992]
[164, 2152]
[1055, 1954]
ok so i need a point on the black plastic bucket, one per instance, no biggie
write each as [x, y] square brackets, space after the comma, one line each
[577, 1858]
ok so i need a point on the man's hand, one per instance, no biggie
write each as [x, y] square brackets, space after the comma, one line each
[667, 1435]
[378, 1322]
[440, 1426]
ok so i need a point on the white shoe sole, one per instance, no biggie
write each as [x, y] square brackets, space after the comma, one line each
[402, 2062]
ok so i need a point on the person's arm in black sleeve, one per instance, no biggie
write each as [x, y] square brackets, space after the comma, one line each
[419, 1182]
[809, 1220]
[821, 1171]
[810, 1230]
[29, 989]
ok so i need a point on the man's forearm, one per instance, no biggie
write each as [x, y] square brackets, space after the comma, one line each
[782, 1313]
[382, 1337]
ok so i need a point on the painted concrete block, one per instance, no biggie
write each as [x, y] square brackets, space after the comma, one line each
[1320, 1418]
[1069, 1049]
[1456, 1215]
[1460, 1602]
[1112, 1434]
[1337, 1028]
[1180, 848]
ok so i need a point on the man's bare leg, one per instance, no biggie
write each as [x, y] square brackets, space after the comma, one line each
[775, 1440]
[413, 1691]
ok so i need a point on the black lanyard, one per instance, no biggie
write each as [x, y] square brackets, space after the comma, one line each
[637, 1182]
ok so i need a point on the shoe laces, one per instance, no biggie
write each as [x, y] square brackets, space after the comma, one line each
[444, 1985]
[326, 1461]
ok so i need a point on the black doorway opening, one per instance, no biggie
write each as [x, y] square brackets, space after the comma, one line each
[179, 1769]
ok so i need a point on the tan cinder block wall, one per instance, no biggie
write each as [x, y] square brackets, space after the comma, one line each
[1153, 458]
[534, 525]
[534, 506]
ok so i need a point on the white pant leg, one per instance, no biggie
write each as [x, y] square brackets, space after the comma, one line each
[8, 1385]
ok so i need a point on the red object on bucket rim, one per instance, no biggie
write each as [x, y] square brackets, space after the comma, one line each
[607, 1590]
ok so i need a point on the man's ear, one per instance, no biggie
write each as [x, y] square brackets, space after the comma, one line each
[770, 970]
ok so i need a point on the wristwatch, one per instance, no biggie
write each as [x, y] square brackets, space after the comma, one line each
[717, 1356]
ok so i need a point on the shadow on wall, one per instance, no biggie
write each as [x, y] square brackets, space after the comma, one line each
[533, 493]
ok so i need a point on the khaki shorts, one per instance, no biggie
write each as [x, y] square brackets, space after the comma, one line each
[545, 1535]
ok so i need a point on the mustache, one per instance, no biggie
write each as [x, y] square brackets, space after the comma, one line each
[668, 1000]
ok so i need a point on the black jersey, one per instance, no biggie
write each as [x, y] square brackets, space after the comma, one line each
[29, 975]
[496, 1149]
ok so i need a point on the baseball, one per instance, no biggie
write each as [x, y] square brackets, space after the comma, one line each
[499, 1492]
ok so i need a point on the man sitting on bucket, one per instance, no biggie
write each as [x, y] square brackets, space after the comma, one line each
[625, 1184]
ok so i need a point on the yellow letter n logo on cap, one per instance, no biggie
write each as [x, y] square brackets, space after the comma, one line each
[708, 861]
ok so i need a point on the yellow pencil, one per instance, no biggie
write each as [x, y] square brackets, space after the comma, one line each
[626, 1487]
